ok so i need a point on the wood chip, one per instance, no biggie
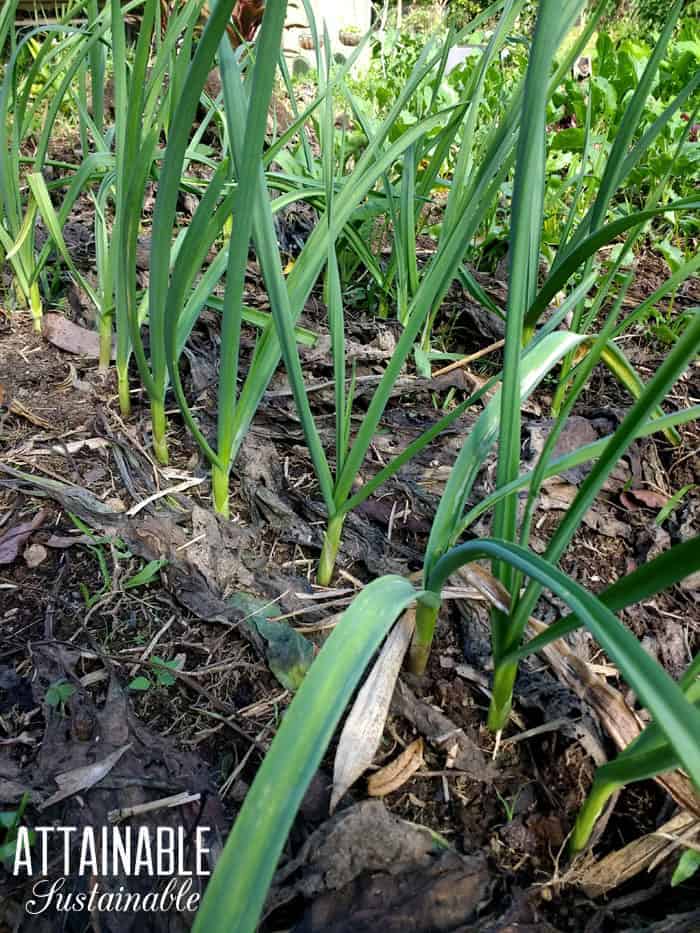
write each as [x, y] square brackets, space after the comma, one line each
[618, 867]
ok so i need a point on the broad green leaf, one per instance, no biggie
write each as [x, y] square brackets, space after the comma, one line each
[140, 684]
[162, 670]
[288, 653]
[59, 693]
[236, 892]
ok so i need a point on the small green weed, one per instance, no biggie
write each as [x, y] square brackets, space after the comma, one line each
[159, 675]
[58, 694]
[110, 579]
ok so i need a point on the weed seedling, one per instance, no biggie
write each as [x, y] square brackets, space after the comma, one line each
[58, 695]
[160, 674]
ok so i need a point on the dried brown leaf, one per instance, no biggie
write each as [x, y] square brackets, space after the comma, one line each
[72, 338]
[364, 726]
[72, 782]
[397, 772]
[633, 498]
[15, 537]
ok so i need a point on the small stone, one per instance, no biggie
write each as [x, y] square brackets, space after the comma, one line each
[34, 555]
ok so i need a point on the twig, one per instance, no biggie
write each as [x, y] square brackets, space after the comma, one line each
[177, 800]
[459, 364]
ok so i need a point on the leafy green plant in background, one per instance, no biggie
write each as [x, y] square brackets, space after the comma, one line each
[123, 159]
[337, 490]
[460, 12]
[584, 118]
[60, 57]
[143, 110]
[237, 890]
[287, 296]
[166, 304]
[653, 12]
[46, 73]
[16, 119]
[617, 69]
[173, 303]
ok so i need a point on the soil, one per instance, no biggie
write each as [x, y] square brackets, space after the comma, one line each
[68, 615]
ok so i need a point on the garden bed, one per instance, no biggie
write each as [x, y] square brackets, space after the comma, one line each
[509, 818]
[279, 401]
